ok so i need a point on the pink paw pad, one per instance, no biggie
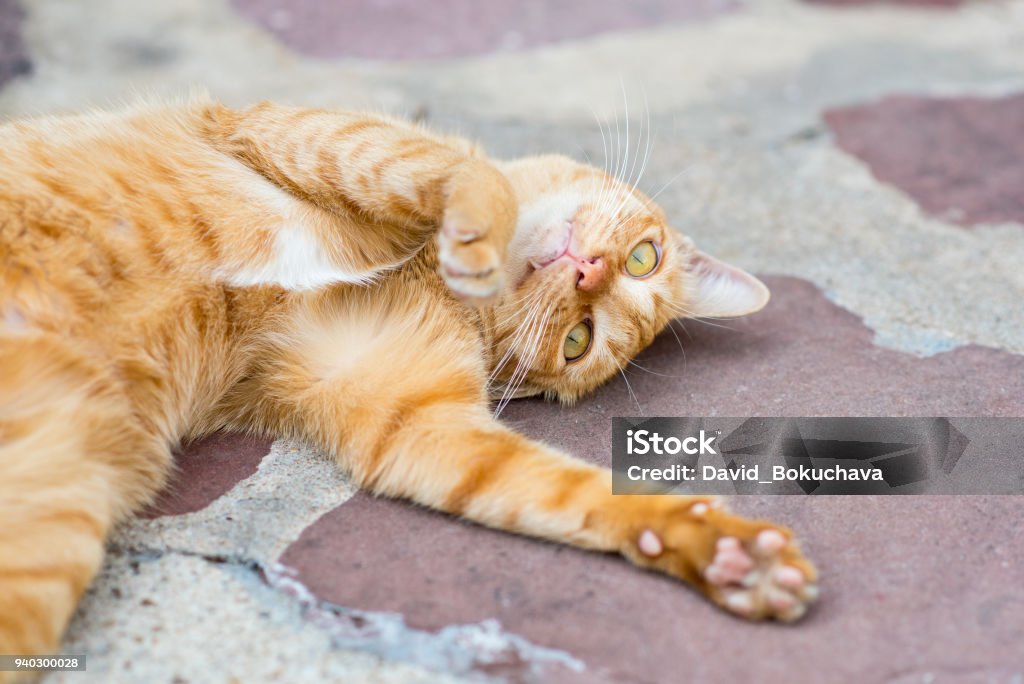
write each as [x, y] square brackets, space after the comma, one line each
[741, 603]
[649, 544]
[731, 563]
[755, 582]
[789, 577]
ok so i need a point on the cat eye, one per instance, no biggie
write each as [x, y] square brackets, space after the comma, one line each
[642, 260]
[577, 342]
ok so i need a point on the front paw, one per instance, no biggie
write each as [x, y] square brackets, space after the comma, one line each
[751, 568]
[761, 577]
[471, 262]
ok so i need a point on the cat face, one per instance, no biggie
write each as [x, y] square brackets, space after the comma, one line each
[595, 273]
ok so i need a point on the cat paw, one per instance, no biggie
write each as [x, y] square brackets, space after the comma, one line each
[761, 578]
[471, 265]
[752, 569]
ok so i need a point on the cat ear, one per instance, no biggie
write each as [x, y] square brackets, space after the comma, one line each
[723, 291]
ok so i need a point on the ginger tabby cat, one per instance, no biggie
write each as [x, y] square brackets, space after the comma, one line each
[350, 280]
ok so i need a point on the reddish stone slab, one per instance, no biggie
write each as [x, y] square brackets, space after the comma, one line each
[961, 159]
[912, 585]
[413, 29]
[914, 582]
[206, 469]
[911, 3]
[14, 59]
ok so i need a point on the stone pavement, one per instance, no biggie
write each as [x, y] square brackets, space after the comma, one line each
[866, 158]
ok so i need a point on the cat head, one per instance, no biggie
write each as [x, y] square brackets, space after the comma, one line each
[595, 272]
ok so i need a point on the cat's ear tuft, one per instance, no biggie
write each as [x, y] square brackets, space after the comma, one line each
[723, 291]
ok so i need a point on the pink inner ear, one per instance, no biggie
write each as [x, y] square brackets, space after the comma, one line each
[723, 291]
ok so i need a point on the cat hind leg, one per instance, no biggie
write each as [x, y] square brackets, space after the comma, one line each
[71, 465]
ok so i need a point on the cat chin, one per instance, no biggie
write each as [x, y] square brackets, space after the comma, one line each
[527, 271]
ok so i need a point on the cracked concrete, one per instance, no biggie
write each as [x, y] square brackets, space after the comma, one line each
[179, 617]
[258, 517]
[226, 554]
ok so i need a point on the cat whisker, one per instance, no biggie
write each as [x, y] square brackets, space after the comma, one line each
[621, 158]
[604, 143]
[524, 362]
[709, 321]
[650, 142]
[521, 304]
[689, 168]
[632, 182]
[648, 370]
[672, 328]
[629, 387]
[627, 169]
[623, 153]
[598, 202]
[693, 316]
[520, 334]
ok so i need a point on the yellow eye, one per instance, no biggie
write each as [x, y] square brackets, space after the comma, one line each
[642, 260]
[577, 342]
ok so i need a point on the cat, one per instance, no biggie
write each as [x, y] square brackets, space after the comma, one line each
[354, 281]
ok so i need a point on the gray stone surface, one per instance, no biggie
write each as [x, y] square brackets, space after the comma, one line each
[14, 61]
[173, 617]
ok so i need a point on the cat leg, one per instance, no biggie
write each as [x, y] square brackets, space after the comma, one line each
[400, 402]
[456, 459]
[401, 181]
[425, 434]
[71, 465]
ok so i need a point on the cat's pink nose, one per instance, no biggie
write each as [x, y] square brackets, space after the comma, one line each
[591, 273]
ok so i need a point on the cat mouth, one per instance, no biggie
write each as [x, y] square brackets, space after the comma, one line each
[560, 249]
[555, 244]
[537, 266]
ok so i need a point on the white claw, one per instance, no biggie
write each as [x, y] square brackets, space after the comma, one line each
[794, 613]
[740, 602]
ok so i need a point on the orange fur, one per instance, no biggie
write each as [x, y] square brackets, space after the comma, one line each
[171, 270]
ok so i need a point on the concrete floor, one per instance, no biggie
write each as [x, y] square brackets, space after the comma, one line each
[866, 158]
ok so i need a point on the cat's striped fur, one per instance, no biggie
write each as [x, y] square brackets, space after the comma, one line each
[354, 281]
